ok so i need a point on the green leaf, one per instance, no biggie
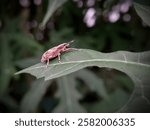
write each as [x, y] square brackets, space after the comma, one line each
[6, 67]
[143, 2]
[10, 103]
[69, 95]
[143, 11]
[135, 65]
[34, 95]
[52, 7]
[112, 104]
[25, 42]
[93, 81]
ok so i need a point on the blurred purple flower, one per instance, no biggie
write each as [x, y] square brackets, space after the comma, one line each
[90, 3]
[113, 16]
[90, 17]
[24, 3]
[37, 2]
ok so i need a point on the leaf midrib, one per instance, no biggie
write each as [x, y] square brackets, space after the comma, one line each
[94, 60]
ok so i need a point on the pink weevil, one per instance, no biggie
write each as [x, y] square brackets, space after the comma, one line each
[56, 51]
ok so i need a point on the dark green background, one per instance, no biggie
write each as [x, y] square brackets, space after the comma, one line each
[21, 38]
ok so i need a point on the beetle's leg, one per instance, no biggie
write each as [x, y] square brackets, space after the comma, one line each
[47, 63]
[59, 58]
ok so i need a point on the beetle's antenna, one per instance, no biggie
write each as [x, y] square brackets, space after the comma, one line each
[71, 41]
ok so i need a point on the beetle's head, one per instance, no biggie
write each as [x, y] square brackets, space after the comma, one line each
[43, 59]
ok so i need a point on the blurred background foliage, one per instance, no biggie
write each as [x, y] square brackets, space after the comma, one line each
[102, 25]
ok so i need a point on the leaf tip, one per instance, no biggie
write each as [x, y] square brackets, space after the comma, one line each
[17, 73]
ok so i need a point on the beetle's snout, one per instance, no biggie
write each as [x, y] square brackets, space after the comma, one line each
[71, 41]
[68, 43]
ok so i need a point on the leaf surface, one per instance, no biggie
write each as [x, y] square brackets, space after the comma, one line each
[52, 7]
[69, 95]
[135, 65]
[91, 80]
[143, 11]
[34, 95]
[6, 67]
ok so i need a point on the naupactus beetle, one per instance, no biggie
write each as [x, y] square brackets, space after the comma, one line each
[56, 52]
